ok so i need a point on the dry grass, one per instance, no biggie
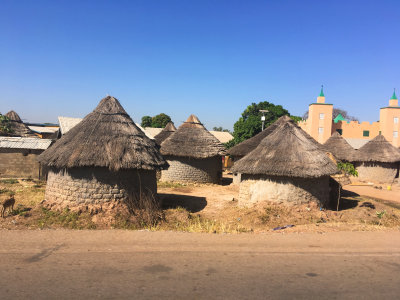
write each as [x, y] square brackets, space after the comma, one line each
[219, 215]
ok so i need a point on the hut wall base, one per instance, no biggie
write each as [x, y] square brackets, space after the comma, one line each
[96, 186]
[208, 170]
[284, 190]
[377, 172]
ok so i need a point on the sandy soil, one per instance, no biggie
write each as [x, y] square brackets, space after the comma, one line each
[377, 191]
[213, 209]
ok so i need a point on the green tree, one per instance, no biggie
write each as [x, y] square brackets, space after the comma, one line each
[146, 121]
[160, 121]
[249, 124]
[5, 125]
[220, 129]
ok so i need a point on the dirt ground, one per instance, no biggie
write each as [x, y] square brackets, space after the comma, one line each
[214, 209]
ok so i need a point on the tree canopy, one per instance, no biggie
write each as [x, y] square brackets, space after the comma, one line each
[249, 124]
[5, 125]
[158, 121]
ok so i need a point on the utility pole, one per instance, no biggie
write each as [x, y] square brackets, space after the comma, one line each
[263, 117]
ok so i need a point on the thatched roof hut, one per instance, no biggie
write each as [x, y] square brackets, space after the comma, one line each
[339, 147]
[17, 126]
[107, 137]
[105, 156]
[193, 154]
[378, 161]
[285, 167]
[165, 133]
[245, 147]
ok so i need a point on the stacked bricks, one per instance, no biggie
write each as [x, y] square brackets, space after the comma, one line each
[283, 190]
[93, 186]
[20, 163]
[184, 169]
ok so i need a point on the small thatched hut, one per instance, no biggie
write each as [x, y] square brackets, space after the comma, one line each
[193, 154]
[286, 167]
[240, 150]
[102, 160]
[339, 148]
[165, 133]
[17, 126]
[378, 161]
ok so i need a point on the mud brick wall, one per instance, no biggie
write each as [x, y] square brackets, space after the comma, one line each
[283, 190]
[208, 170]
[83, 186]
[21, 163]
[377, 172]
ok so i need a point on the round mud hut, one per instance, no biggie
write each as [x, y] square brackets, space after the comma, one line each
[165, 133]
[377, 161]
[339, 148]
[102, 162]
[286, 167]
[193, 154]
[18, 128]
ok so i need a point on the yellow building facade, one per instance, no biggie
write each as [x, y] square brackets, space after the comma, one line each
[320, 124]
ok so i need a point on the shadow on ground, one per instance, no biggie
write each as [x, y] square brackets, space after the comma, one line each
[192, 204]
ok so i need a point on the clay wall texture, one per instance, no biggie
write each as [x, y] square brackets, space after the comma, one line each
[85, 186]
[283, 190]
[21, 163]
[377, 172]
[208, 170]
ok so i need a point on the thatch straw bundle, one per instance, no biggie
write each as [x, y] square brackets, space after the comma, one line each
[165, 133]
[287, 151]
[378, 150]
[339, 147]
[107, 137]
[17, 126]
[192, 139]
[250, 144]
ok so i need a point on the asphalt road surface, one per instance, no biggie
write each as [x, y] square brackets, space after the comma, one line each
[61, 264]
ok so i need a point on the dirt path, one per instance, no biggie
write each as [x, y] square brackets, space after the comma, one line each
[142, 265]
[370, 191]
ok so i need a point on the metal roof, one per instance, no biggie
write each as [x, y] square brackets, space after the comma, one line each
[356, 143]
[67, 123]
[24, 143]
[42, 129]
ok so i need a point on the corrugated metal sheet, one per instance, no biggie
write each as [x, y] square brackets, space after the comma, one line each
[66, 123]
[356, 143]
[222, 136]
[24, 143]
[42, 129]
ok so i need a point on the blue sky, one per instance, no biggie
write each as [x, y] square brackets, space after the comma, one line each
[211, 58]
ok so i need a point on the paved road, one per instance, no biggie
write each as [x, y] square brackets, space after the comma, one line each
[135, 265]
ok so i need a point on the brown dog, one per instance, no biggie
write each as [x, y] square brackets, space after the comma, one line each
[8, 203]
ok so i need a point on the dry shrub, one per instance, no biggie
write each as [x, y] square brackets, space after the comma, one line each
[145, 208]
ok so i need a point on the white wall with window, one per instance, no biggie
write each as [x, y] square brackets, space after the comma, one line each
[395, 120]
[321, 116]
[395, 134]
[321, 130]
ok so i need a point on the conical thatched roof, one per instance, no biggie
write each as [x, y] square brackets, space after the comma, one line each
[378, 149]
[192, 139]
[287, 152]
[250, 144]
[107, 137]
[17, 126]
[339, 147]
[165, 133]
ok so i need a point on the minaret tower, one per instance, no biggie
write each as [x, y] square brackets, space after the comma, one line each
[320, 118]
[390, 121]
